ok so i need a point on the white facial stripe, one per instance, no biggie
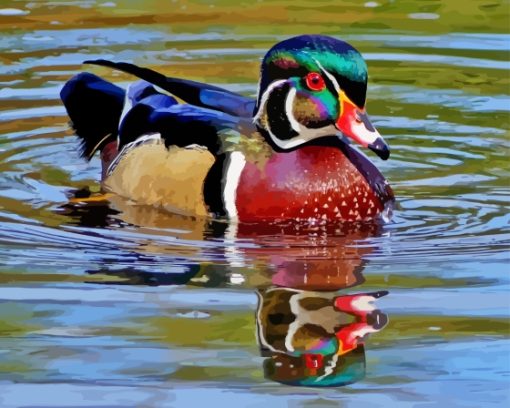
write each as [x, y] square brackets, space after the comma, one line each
[306, 135]
[265, 96]
[235, 165]
[289, 110]
[329, 75]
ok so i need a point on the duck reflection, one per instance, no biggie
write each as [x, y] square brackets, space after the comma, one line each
[309, 331]
[315, 338]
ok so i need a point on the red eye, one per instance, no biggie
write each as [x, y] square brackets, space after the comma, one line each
[315, 82]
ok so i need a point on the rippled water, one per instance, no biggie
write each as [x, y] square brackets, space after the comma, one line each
[116, 305]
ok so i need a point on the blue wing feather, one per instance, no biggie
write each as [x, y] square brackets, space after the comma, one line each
[178, 124]
[195, 93]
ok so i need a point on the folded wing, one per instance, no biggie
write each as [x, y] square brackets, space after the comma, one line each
[192, 92]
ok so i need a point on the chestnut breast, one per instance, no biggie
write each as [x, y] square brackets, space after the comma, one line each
[313, 182]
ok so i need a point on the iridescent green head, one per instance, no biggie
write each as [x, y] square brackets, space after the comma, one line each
[313, 86]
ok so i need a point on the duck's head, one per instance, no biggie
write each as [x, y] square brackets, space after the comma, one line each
[312, 86]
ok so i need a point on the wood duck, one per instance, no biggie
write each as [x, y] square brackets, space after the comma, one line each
[280, 156]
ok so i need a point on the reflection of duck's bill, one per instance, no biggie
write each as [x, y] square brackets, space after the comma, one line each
[351, 336]
[315, 370]
[359, 303]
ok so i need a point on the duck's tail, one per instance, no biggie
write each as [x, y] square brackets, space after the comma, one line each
[94, 106]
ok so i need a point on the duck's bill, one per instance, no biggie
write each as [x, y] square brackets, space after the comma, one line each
[354, 123]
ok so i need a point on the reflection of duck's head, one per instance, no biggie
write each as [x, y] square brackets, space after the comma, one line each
[313, 338]
[317, 370]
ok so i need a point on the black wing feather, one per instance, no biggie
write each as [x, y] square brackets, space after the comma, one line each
[94, 106]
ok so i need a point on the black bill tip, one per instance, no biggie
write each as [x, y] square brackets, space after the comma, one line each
[380, 148]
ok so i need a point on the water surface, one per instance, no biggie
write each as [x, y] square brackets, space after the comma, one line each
[107, 304]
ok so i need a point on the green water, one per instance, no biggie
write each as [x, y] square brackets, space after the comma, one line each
[110, 305]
